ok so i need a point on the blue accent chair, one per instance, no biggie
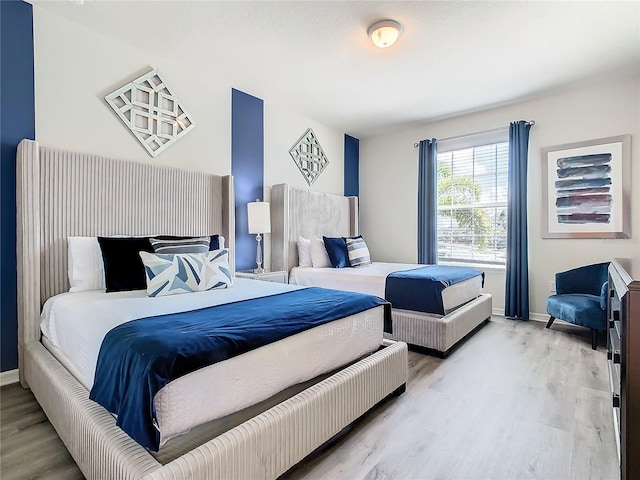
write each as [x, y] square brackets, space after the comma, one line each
[581, 298]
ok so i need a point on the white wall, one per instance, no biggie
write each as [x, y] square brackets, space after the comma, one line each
[388, 179]
[75, 68]
[282, 129]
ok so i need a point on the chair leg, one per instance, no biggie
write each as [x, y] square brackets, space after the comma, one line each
[550, 322]
[594, 339]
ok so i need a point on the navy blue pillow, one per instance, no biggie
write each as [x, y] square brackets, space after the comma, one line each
[337, 250]
[123, 267]
[215, 242]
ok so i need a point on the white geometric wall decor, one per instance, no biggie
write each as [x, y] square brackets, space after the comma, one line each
[152, 112]
[309, 156]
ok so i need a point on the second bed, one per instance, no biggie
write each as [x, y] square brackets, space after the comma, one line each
[296, 212]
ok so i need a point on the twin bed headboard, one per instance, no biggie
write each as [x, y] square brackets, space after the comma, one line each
[298, 212]
[62, 194]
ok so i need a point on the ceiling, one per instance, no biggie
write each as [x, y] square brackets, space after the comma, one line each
[315, 57]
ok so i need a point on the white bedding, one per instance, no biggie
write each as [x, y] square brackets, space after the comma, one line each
[371, 279]
[74, 325]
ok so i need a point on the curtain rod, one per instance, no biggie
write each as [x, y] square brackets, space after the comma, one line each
[530, 122]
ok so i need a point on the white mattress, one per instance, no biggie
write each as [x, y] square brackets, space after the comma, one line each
[75, 324]
[372, 278]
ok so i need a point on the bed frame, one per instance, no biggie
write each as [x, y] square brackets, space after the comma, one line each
[297, 212]
[61, 194]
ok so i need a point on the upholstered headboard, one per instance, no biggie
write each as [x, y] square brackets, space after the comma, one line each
[62, 194]
[298, 212]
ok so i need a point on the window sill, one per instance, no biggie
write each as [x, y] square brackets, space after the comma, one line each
[484, 267]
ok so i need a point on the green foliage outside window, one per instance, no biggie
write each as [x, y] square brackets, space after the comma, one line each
[456, 190]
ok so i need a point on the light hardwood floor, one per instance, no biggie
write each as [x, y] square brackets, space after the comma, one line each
[515, 401]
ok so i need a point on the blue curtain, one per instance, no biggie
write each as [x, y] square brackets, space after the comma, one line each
[517, 277]
[427, 203]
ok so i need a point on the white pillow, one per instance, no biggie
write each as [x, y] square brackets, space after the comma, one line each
[319, 255]
[171, 274]
[85, 266]
[304, 252]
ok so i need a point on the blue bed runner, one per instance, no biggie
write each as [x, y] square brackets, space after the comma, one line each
[420, 289]
[140, 357]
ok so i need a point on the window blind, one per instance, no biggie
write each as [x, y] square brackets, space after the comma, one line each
[472, 204]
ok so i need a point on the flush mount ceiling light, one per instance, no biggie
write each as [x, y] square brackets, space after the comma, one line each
[383, 34]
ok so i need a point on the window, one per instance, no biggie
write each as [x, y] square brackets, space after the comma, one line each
[472, 204]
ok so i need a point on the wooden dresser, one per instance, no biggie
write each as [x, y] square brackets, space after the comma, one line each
[623, 343]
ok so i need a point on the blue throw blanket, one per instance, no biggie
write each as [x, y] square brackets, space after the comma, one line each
[420, 289]
[140, 357]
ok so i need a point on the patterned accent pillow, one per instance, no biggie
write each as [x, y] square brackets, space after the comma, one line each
[170, 274]
[180, 245]
[358, 251]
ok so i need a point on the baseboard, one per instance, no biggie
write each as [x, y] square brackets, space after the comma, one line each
[9, 377]
[538, 317]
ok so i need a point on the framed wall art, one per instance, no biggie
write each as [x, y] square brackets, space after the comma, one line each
[308, 155]
[151, 111]
[586, 189]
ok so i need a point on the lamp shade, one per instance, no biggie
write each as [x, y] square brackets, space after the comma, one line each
[259, 217]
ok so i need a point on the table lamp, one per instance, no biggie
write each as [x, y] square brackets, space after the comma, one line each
[259, 218]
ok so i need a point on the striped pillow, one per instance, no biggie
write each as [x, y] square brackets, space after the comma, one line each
[180, 245]
[358, 252]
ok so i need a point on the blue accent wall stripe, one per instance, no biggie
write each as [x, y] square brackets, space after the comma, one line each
[351, 166]
[247, 168]
[17, 121]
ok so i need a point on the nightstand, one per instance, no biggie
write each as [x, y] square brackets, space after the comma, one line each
[266, 276]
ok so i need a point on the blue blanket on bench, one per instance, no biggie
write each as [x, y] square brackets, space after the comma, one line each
[140, 357]
[420, 289]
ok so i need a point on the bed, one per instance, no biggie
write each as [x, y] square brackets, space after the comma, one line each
[297, 212]
[63, 194]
